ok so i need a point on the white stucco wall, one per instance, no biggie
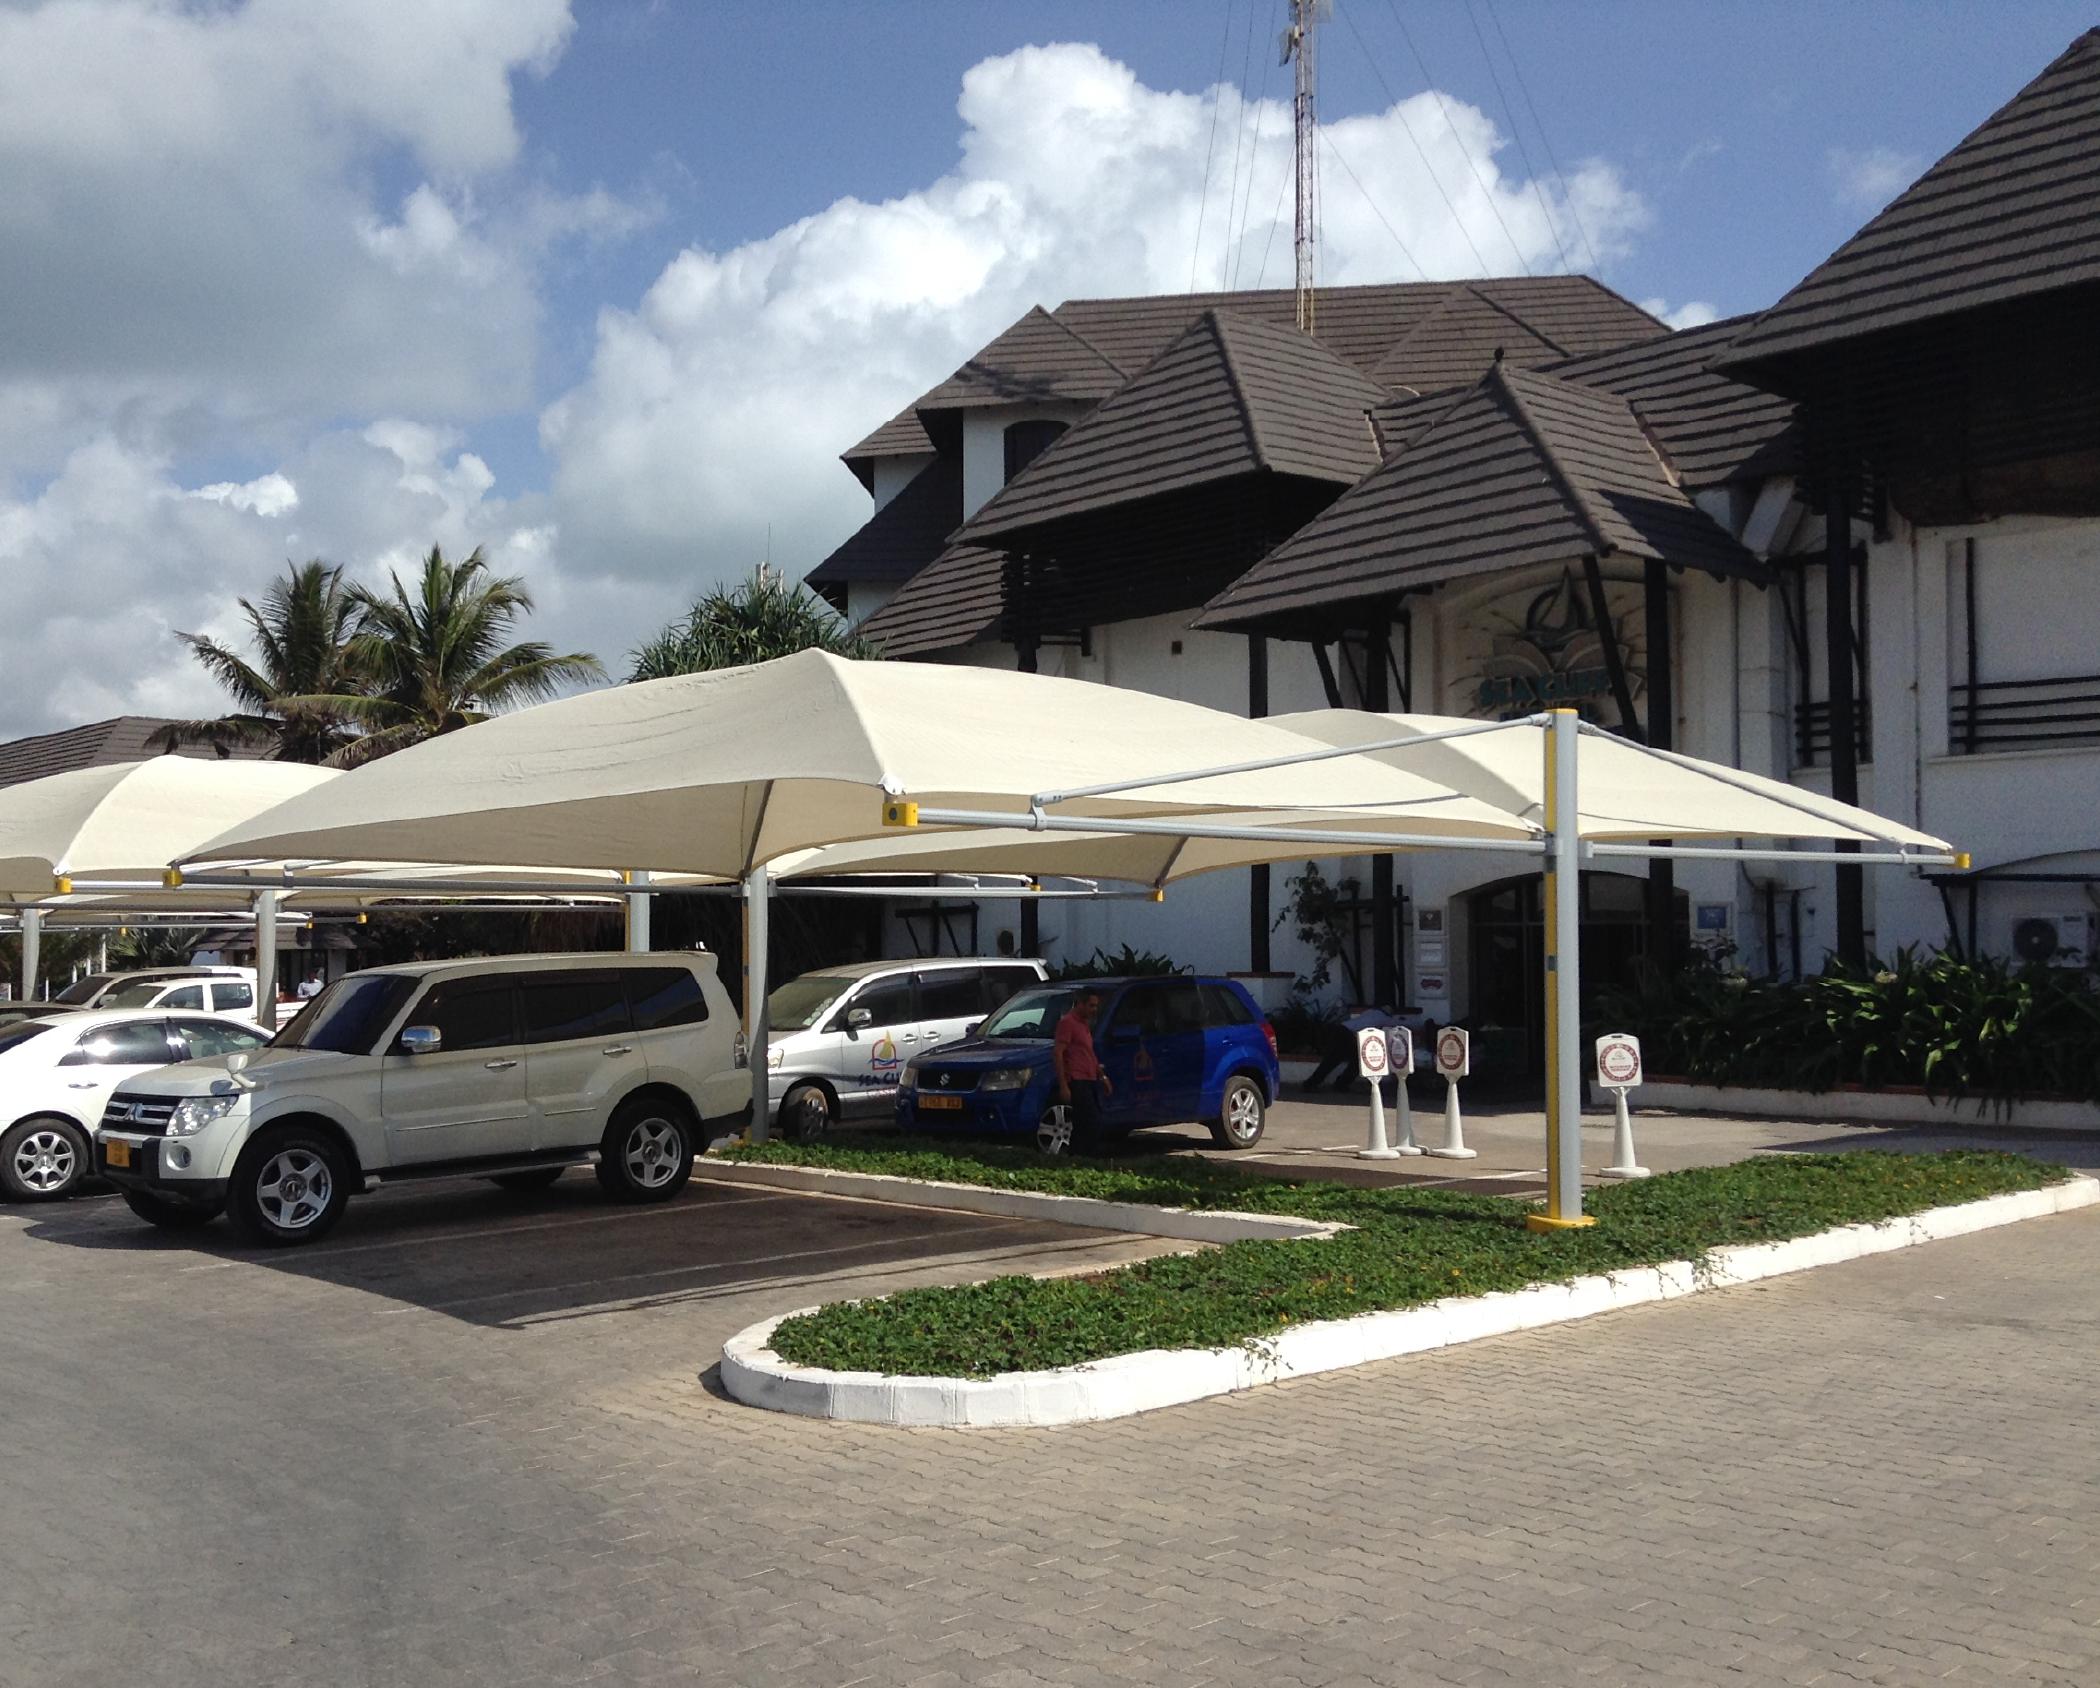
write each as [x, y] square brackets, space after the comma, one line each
[893, 474]
[984, 445]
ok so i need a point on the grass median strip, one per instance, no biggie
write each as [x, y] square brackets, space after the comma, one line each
[1409, 1247]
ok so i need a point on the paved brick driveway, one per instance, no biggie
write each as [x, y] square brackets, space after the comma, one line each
[465, 1444]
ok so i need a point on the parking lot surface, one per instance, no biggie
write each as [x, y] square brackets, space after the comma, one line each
[468, 1440]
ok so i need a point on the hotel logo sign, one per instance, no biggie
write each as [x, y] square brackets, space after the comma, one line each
[1541, 649]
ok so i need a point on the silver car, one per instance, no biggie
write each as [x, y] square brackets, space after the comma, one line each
[839, 1038]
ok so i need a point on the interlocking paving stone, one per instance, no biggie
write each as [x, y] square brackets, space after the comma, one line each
[468, 1441]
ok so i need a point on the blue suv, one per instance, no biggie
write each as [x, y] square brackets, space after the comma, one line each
[1175, 1050]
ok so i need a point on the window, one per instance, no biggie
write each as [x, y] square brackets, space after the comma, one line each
[1181, 1007]
[238, 993]
[951, 993]
[1002, 982]
[190, 996]
[216, 1037]
[663, 997]
[84, 988]
[2023, 627]
[888, 1002]
[476, 1013]
[564, 1007]
[801, 1003]
[350, 1016]
[138, 993]
[1033, 1014]
[1142, 1010]
[1224, 1006]
[21, 1032]
[139, 1043]
[1026, 441]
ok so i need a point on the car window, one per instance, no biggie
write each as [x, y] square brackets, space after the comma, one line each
[1002, 982]
[21, 1031]
[474, 1013]
[350, 1016]
[888, 1002]
[216, 1037]
[564, 1007]
[135, 993]
[1141, 1008]
[951, 993]
[83, 989]
[1223, 1006]
[189, 996]
[1180, 1007]
[1031, 1014]
[662, 997]
[801, 1003]
[134, 1043]
[236, 994]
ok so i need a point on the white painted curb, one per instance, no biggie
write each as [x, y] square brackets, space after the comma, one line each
[1866, 1107]
[1190, 1224]
[1134, 1383]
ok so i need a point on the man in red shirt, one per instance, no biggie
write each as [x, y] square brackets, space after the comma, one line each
[1081, 1084]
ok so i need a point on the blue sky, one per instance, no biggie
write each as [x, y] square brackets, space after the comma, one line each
[605, 285]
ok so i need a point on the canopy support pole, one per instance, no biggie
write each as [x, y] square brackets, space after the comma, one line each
[266, 960]
[32, 946]
[638, 909]
[758, 892]
[1563, 983]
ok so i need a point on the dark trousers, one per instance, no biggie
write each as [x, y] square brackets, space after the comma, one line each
[1086, 1112]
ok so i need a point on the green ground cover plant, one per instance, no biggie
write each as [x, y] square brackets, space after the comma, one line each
[1409, 1247]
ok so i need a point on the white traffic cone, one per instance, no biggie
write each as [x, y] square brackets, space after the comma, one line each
[1623, 1164]
[1454, 1128]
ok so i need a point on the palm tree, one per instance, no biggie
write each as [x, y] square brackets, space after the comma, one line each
[433, 658]
[303, 634]
[763, 618]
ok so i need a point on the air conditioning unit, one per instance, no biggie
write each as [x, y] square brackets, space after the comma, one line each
[2054, 940]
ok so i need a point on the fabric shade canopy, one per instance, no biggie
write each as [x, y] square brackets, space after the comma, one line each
[720, 773]
[1626, 792]
[133, 820]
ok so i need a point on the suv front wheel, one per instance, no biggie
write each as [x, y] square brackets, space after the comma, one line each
[289, 1186]
[647, 1154]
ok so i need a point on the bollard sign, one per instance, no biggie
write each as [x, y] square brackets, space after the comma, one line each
[1454, 1054]
[1371, 1053]
[1400, 1050]
[1618, 1061]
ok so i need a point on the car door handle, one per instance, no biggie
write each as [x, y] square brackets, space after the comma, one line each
[80, 1084]
[619, 1049]
[499, 1066]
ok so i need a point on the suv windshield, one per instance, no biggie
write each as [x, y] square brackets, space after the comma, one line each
[800, 1003]
[350, 1016]
[138, 993]
[1031, 1014]
[82, 989]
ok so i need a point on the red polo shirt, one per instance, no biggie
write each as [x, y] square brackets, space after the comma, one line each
[1076, 1038]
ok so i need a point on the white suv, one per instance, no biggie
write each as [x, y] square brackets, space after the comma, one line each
[218, 990]
[509, 1067]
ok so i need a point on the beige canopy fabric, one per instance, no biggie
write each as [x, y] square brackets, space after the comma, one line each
[719, 773]
[133, 820]
[1625, 791]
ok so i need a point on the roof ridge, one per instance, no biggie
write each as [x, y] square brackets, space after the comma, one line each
[1503, 310]
[1578, 495]
[1082, 340]
[1238, 384]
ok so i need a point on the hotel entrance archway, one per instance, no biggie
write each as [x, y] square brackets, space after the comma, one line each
[1507, 1002]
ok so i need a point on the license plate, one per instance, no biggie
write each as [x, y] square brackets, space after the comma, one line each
[954, 1102]
[118, 1154]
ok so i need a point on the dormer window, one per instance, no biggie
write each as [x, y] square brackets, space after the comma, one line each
[1026, 441]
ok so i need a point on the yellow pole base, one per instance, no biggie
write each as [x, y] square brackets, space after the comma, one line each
[1546, 1222]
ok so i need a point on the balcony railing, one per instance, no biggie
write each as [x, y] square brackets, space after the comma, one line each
[2023, 714]
[1812, 733]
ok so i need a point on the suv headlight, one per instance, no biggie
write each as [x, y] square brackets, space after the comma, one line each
[193, 1113]
[1006, 1078]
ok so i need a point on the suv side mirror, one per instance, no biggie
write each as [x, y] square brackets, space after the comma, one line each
[973, 1028]
[421, 1040]
[858, 1016]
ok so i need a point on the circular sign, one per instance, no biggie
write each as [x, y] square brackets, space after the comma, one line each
[1453, 1052]
[1370, 1053]
[1618, 1060]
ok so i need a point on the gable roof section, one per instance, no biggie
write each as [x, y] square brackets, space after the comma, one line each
[905, 534]
[953, 601]
[2013, 211]
[1523, 468]
[1455, 342]
[99, 744]
[1231, 396]
[1040, 358]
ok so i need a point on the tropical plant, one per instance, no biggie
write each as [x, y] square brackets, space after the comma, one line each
[303, 632]
[1320, 916]
[761, 618]
[433, 659]
[153, 946]
[1126, 963]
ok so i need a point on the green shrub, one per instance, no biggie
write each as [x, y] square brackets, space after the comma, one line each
[1126, 963]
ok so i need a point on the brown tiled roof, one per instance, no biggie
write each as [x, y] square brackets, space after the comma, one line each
[1524, 468]
[1231, 396]
[99, 744]
[2011, 212]
[1548, 316]
[955, 600]
[905, 534]
[1452, 344]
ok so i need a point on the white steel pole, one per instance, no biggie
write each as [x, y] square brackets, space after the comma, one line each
[638, 909]
[1563, 979]
[758, 891]
[266, 960]
[32, 946]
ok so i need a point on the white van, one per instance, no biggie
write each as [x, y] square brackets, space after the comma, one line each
[212, 990]
[839, 1037]
[512, 1068]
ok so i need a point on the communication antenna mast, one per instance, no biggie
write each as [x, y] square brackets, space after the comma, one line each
[1298, 49]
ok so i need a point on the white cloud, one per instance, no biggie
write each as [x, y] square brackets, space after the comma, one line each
[1866, 179]
[1693, 313]
[718, 406]
[266, 495]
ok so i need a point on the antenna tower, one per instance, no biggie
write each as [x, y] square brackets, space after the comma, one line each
[1298, 49]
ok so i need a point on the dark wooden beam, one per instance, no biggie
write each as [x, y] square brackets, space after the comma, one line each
[1839, 646]
[1614, 658]
[1258, 877]
[1378, 698]
[1662, 718]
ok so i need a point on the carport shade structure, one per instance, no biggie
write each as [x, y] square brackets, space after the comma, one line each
[719, 774]
[130, 821]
